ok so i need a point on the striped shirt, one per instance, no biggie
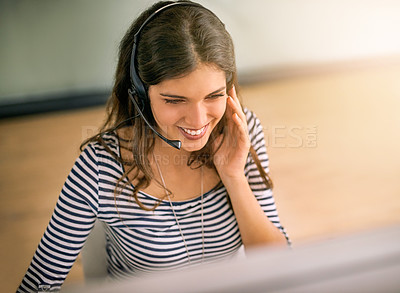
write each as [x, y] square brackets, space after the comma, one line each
[140, 241]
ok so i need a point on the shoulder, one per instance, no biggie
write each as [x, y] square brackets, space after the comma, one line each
[252, 119]
[258, 142]
[105, 147]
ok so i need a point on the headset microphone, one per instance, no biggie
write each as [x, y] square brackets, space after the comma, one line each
[174, 143]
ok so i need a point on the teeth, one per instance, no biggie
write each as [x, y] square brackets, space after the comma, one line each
[194, 132]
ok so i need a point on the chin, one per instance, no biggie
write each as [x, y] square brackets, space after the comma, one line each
[192, 146]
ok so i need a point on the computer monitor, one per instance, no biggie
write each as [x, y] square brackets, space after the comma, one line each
[366, 262]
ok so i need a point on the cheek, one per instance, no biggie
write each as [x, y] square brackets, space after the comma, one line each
[219, 108]
[159, 113]
[165, 115]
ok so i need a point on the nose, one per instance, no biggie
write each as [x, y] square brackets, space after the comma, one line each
[196, 115]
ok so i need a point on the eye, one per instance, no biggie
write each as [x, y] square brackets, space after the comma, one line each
[173, 101]
[216, 96]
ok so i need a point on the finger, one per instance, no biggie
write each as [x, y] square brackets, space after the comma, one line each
[240, 124]
[233, 95]
[237, 108]
[229, 107]
[241, 131]
[232, 92]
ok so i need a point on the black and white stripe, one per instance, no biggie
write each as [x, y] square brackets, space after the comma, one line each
[140, 241]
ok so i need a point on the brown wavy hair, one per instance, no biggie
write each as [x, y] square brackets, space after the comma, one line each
[171, 45]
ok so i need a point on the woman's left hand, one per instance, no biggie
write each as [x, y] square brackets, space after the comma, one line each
[230, 158]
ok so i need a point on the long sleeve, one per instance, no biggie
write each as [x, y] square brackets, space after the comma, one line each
[263, 194]
[71, 222]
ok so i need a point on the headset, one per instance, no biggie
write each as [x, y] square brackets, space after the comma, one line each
[137, 86]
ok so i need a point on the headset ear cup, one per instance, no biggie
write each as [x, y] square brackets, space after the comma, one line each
[139, 88]
[136, 99]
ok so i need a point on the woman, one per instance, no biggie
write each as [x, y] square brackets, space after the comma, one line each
[178, 173]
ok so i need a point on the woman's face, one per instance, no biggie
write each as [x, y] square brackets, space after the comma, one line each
[188, 108]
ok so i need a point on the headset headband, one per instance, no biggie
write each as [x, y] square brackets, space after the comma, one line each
[137, 84]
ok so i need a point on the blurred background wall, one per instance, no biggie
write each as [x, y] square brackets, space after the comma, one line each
[53, 49]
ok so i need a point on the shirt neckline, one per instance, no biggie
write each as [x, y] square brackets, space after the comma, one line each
[180, 202]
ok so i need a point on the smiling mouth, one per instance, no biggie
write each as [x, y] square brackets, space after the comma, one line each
[194, 133]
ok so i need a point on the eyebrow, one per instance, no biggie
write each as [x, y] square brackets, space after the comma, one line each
[185, 98]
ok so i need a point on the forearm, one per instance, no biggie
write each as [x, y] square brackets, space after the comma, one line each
[69, 226]
[255, 227]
